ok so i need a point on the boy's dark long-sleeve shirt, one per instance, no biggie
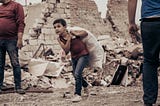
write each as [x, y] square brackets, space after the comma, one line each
[11, 20]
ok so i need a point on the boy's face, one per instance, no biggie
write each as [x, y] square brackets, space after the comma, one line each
[59, 29]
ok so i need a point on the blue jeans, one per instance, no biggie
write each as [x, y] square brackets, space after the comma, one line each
[78, 65]
[10, 46]
[151, 48]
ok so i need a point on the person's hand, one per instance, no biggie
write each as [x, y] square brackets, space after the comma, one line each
[72, 32]
[19, 43]
[133, 28]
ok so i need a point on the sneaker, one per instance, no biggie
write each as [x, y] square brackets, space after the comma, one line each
[86, 91]
[20, 91]
[76, 98]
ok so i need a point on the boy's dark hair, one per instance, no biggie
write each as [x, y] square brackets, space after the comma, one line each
[61, 21]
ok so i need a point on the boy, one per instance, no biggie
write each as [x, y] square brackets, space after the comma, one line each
[72, 42]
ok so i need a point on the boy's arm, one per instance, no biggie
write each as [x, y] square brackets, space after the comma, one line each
[65, 47]
[80, 33]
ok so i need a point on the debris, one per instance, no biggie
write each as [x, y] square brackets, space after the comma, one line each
[119, 75]
[37, 67]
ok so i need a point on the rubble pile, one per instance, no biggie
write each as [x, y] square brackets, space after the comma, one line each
[55, 70]
[43, 63]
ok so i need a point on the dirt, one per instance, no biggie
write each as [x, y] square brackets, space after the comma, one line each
[99, 96]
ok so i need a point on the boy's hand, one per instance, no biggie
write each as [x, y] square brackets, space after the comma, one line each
[69, 37]
[72, 32]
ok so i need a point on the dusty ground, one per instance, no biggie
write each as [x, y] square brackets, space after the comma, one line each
[102, 96]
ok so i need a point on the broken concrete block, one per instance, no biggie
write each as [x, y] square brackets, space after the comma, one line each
[9, 80]
[67, 95]
[37, 67]
[23, 58]
[124, 61]
[44, 82]
[53, 69]
[59, 83]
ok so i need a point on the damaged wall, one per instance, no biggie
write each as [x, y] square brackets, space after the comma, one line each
[39, 28]
[83, 13]
[117, 15]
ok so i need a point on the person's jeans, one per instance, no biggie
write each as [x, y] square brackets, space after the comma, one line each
[10, 46]
[151, 48]
[78, 65]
